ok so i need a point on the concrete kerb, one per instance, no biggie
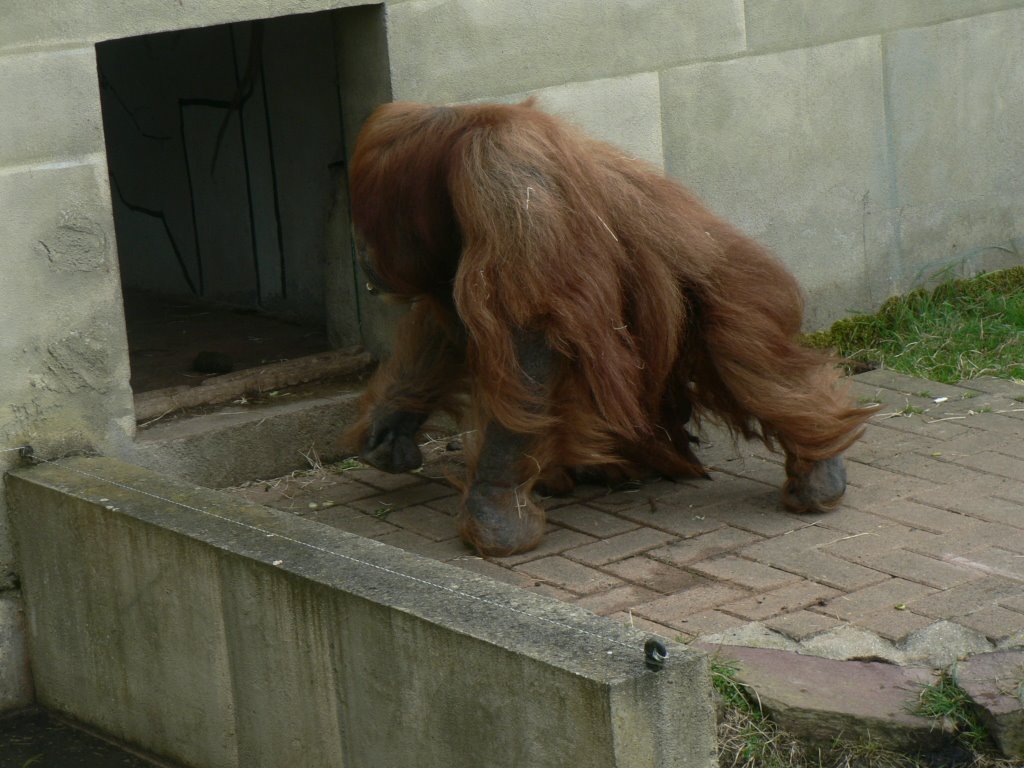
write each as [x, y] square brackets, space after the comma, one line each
[220, 633]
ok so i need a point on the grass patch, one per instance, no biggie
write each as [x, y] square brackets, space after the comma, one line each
[945, 700]
[748, 738]
[960, 330]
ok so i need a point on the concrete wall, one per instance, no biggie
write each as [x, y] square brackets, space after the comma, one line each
[217, 633]
[871, 144]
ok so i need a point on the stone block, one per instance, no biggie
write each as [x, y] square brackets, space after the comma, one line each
[956, 101]
[791, 147]
[775, 24]
[51, 106]
[66, 378]
[28, 23]
[471, 49]
[624, 111]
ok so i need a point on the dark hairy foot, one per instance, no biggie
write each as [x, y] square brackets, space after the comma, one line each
[819, 489]
[390, 445]
[500, 521]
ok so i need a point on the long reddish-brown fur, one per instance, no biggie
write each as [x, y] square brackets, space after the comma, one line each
[501, 222]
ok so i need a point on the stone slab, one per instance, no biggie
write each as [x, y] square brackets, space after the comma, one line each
[995, 682]
[820, 701]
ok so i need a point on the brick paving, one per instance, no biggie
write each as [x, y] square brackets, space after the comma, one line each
[931, 530]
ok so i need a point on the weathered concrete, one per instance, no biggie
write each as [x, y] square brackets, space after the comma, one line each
[220, 633]
[466, 49]
[995, 682]
[776, 24]
[807, 123]
[15, 678]
[233, 444]
[624, 111]
[950, 95]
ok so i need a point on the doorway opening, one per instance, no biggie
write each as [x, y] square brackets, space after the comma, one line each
[226, 151]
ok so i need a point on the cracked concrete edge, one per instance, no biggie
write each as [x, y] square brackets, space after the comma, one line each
[936, 646]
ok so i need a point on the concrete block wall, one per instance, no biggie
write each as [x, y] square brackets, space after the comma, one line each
[870, 144]
[217, 633]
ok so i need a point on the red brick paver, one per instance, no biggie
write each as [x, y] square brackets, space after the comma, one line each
[932, 527]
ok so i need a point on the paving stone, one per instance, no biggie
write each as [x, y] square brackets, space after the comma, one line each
[894, 626]
[995, 386]
[956, 547]
[706, 545]
[617, 599]
[890, 595]
[801, 625]
[704, 623]
[553, 543]
[819, 700]
[568, 575]
[993, 681]
[885, 378]
[590, 521]
[673, 608]
[993, 499]
[849, 522]
[768, 471]
[551, 591]
[927, 518]
[743, 572]
[352, 520]
[645, 625]
[421, 545]
[678, 521]
[619, 547]
[919, 568]
[995, 463]
[386, 481]
[790, 598]
[822, 567]
[920, 465]
[995, 622]
[932, 429]
[966, 598]
[764, 520]
[998, 561]
[1015, 603]
[425, 521]
[653, 574]
[404, 496]
[495, 571]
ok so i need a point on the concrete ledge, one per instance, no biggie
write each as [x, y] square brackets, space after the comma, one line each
[236, 444]
[217, 633]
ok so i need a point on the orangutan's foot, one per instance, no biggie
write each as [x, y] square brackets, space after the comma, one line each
[500, 521]
[391, 442]
[817, 490]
